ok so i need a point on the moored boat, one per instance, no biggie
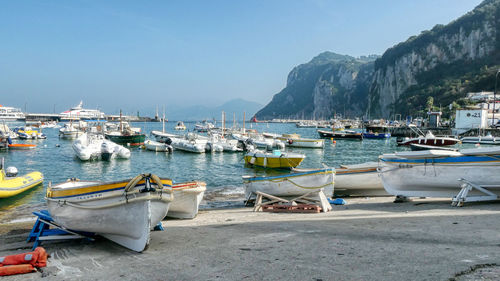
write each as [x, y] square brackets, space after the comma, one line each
[299, 182]
[180, 126]
[158, 146]
[11, 184]
[121, 211]
[187, 199]
[488, 139]
[21, 146]
[345, 134]
[70, 131]
[436, 173]
[429, 139]
[96, 147]
[275, 159]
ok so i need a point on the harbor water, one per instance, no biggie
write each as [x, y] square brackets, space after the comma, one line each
[222, 172]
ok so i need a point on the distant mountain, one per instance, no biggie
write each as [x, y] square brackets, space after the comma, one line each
[444, 63]
[200, 112]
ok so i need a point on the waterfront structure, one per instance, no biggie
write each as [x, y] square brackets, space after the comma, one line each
[8, 113]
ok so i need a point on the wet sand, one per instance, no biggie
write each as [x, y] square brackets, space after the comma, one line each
[368, 239]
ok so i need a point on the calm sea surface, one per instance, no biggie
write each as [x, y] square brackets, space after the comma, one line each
[222, 172]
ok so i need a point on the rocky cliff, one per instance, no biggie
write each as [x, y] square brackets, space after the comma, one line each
[448, 52]
[444, 63]
[330, 83]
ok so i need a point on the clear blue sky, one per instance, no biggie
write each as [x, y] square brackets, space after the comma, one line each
[137, 54]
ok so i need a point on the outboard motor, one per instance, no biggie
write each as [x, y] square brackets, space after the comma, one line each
[11, 172]
[168, 141]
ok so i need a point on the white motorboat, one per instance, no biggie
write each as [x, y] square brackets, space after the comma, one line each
[204, 126]
[300, 182]
[161, 136]
[436, 173]
[121, 211]
[294, 140]
[217, 143]
[259, 141]
[488, 139]
[96, 147]
[180, 126]
[187, 199]
[190, 144]
[7, 132]
[158, 146]
[69, 131]
[359, 180]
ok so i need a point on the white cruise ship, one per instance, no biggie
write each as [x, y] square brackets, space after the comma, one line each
[79, 113]
[11, 114]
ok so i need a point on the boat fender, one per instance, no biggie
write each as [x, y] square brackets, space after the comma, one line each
[9, 140]
[290, 141]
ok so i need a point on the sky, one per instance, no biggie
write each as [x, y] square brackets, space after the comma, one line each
[137, 55]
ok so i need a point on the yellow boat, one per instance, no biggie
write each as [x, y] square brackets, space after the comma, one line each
[277, 159]
[11, 185]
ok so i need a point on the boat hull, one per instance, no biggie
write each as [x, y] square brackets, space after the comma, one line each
[105, 209]
[438, 177]
[187, 199]
[268, 160]
[127, 140]
[340, 135]
[290, 185]
[359, 180]
[12, 186]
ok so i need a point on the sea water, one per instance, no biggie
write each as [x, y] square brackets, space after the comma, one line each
[222, 172]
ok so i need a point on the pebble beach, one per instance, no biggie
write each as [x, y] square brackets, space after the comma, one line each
[366, 239]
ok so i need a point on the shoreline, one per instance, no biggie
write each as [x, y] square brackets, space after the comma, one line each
[367, 239]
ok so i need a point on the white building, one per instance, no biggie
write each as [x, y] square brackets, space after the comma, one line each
[466, 119]
[480, 96]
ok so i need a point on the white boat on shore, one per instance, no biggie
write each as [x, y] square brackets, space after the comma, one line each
[122, 211]
[359, 180]
[299, 182]
[436, 173]
[96, 147]
[158, 146]
[187, 199]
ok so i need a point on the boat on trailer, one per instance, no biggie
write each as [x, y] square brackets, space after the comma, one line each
[465, 175]
[121, 211]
